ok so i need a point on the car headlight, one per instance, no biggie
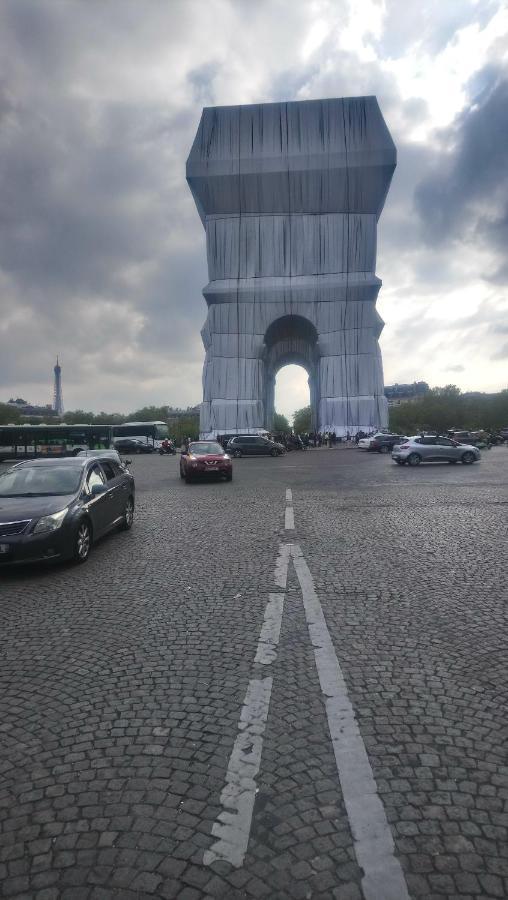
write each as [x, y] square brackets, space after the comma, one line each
[50, 523]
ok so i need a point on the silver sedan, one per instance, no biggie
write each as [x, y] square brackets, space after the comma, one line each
[432, 448]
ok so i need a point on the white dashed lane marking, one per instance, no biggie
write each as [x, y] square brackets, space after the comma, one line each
[270, 632]
[232, 827]
[280, 576]
[289, 519]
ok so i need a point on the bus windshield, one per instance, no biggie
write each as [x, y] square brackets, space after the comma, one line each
[145, 431]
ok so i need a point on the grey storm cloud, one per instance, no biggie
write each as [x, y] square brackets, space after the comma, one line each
[102, 254]
[467, 193]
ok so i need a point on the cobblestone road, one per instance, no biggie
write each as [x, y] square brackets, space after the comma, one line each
[140, 713]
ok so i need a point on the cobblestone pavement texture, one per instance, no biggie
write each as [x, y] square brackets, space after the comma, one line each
[122, 683]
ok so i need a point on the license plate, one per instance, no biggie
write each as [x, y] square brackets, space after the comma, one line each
[4, 548]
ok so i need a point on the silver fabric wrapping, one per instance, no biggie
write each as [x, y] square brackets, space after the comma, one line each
[290, 195]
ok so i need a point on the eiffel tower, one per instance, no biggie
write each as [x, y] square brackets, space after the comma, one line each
[57, 390]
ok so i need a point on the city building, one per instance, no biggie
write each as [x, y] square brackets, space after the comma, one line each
[405, 393]
[30, 410]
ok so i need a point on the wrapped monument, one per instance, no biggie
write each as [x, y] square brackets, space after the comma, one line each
[290, 195]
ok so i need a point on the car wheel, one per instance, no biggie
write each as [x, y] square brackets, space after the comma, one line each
[181, 473]
[414, 459]
[82, 542]
[384, 449]
[274, 452]
[188, 479]
[400, 462]
[468, 458]
[229, 476]
[237, 454]
[128, 516]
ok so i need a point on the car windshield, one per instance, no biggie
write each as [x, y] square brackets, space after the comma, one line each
[203, 448]
[40, 481]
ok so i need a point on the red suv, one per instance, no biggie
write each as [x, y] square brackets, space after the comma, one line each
[205, 458]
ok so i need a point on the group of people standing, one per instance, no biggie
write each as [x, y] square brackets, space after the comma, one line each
[312, 439]
[326, 439]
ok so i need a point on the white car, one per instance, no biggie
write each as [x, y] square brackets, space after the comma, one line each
[364, 443]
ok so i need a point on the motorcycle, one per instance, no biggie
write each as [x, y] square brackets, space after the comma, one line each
[167, 449]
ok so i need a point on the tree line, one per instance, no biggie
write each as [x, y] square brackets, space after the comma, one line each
[447, 407]
[438, 410]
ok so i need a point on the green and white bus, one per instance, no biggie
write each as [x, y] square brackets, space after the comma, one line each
[32, 441]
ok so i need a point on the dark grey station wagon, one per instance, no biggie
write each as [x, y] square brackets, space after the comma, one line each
[253, 445]
[53, 509]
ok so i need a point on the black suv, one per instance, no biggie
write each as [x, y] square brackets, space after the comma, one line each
[253, 445]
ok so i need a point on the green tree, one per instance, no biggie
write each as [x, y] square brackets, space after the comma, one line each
[187, 426]
[446, 407]
[104, 418]
[9, 415]
[149, 414]
[280, 424]
[78, 417]
[302, 420]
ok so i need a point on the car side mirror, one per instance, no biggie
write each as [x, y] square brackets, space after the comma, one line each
[98, 489]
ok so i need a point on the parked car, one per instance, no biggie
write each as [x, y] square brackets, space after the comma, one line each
[254, 445]
[365, 442]
[132, 445]
[433, 448]
[52, 509]
[381, 442]
[480, 439]
[205, 458]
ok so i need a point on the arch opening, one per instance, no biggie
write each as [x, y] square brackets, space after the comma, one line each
[291, 340]
[292, 389]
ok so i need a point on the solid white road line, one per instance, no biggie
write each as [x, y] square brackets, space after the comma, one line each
[232, 828]
[373, 842]
[289, 495]
[289, 519]
[270, 632]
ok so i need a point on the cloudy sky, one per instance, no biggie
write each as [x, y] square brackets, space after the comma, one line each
[102, 253]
